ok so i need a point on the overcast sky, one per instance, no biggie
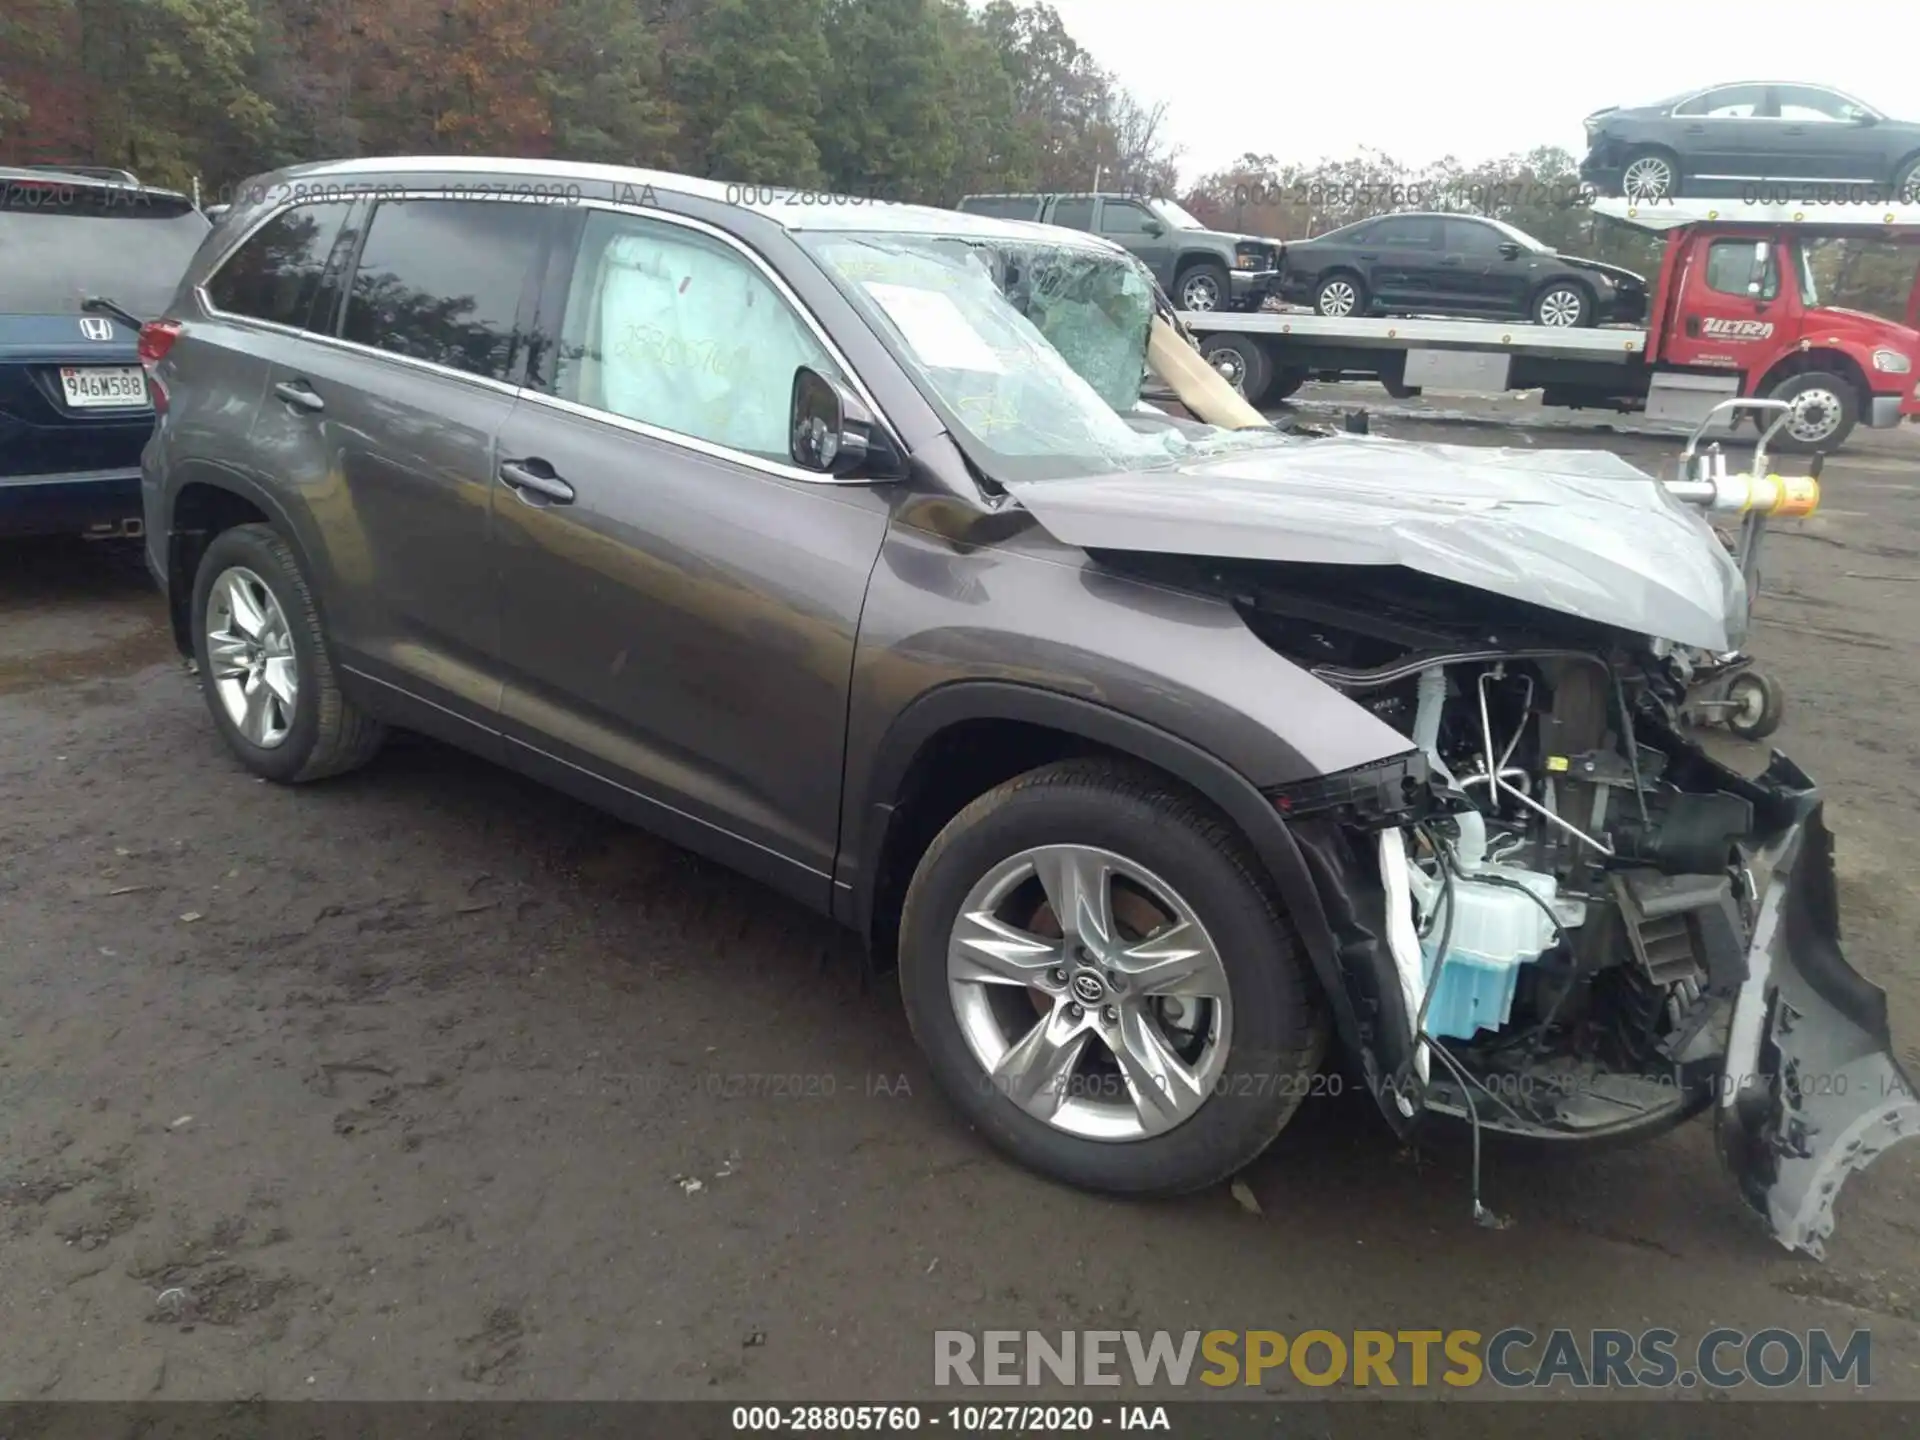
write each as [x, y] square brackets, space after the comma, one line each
[1467, 77]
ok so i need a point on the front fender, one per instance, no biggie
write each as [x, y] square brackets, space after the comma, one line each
[1027, 630]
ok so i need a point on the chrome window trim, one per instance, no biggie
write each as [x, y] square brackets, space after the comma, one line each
[338, 342]
[692, 443]
[712, 451]
[1768, 86]
[709, 448]
[354, 347]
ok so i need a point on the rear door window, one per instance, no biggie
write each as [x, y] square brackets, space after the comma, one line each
[1729, 102]
[442, 281]
[1406, 232]
[1075, 212]
[62, 241]
[1003, 207]
[276, 272]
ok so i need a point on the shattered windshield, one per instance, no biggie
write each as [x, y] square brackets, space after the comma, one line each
[1034, 353]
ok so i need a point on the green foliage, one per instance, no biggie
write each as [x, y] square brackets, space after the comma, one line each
[750, 91]
[908, 99]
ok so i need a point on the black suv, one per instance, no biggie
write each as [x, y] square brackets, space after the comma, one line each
[1201, 269]
[74, 410]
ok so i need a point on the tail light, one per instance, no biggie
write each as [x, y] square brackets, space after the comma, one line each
[156, 339]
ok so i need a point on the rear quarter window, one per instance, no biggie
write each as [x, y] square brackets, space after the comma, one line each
[276, 272]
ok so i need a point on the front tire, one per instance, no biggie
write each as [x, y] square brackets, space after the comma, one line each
[1206, 1027]
[1204, 288]
[1826, 407]
[265, 668]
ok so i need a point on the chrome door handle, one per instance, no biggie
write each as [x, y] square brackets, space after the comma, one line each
[521, 477]
[299, 395]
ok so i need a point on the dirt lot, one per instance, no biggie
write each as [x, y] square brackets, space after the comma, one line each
[430, 1083]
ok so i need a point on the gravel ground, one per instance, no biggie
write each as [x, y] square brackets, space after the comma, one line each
[428, 1082]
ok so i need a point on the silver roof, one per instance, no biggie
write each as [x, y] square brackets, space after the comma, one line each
[795, 208]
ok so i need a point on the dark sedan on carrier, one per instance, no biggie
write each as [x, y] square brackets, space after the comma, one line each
[1758, 140]
[1454, 265]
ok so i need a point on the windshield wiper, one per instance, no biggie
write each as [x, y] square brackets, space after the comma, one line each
[101, 305]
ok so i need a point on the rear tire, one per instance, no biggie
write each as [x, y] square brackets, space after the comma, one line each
[1906, 185]
[1254, 1049]
[283, 687]
[1650, 175]
[1242, 363]
[1341, 294]
[1826, 408]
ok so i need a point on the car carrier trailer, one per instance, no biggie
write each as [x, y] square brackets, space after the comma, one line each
[1734, 314]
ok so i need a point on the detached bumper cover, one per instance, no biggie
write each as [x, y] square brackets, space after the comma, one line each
[1812, 1091]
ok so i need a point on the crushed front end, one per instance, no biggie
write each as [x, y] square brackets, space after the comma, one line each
[1559, 916]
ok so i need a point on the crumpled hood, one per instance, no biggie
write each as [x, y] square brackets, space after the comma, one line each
[1580, 532]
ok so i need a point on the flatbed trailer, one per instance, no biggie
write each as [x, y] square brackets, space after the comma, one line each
[1733, 315]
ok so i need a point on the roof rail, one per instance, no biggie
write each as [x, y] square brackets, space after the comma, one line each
[92, 172]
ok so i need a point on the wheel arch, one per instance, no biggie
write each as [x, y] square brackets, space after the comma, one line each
[1800, 362]
[1191, 259]
[206, 501]
[1037, 726]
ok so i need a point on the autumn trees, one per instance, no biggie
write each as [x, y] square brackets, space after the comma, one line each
[912, 99]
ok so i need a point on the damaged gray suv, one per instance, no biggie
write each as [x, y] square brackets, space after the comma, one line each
[834, 541]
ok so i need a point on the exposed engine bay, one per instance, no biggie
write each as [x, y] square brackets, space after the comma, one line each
[1565, 912]
[1557, 915]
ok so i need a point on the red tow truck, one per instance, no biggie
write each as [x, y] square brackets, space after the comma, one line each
[1735, 313]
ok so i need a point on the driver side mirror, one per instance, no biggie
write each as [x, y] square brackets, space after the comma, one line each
[1509, 250]
[832, 432]
[1863, 117]
[1762, 254]
[1154, 228]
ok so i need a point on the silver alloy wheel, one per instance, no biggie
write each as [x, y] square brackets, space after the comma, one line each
[1648, 178]
[1201, 292]
[1561, 307]
[1232, 366]
[250, 654]
[1815, 416]
[1089, 992]
[1338, 297]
